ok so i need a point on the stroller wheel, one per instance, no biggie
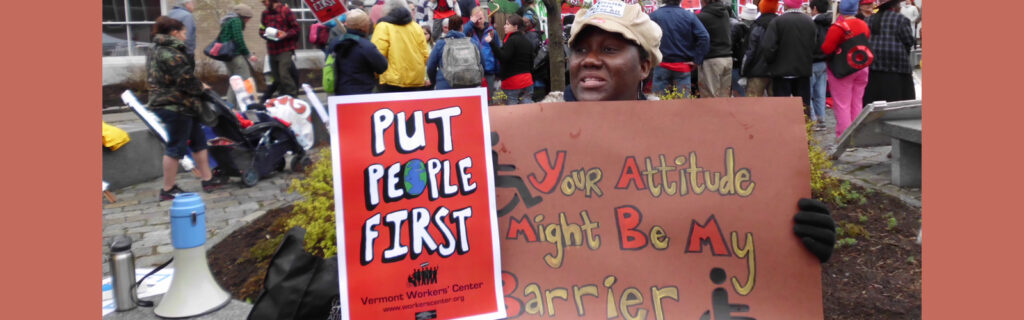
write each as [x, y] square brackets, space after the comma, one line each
[280, 166]
[250, 178]
[301, 163]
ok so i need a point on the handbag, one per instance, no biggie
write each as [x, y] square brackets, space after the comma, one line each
[221, 51]
[852, 55]
[298, 285]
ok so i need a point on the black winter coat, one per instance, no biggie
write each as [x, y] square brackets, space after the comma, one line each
[740, 33]
[356, 64]
[516, 55]
[754, 64]
[823, 22]
[788, 45]
[715, 18]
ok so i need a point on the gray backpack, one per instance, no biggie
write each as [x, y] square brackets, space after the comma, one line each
[460, 63]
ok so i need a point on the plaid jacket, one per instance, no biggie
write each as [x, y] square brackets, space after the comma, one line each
[891, 41]
[231, 30]
[282, 20]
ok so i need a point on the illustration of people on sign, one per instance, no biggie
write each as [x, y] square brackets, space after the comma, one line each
[510, 181]
[721, 309]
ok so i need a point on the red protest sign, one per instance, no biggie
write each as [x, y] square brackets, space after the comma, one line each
[676, 209]
[325, 9]
[414, 206]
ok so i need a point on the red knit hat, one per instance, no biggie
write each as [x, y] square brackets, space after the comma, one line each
[867, 1]
[768, 6]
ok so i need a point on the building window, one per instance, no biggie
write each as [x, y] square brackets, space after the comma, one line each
[127, 25]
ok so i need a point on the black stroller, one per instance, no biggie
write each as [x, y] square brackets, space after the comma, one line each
[253, 152]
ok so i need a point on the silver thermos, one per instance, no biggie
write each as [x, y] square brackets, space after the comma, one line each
[122, 269]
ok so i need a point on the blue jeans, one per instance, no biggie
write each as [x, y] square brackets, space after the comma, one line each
[741, 91]
[819, 80]
[519, 96]
[665, 78]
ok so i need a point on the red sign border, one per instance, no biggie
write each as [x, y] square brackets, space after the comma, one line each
[333, 103]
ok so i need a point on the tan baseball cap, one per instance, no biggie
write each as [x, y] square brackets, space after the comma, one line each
[629, 20]
[242, 10]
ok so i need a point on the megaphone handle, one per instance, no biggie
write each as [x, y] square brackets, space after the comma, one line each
[146, 303]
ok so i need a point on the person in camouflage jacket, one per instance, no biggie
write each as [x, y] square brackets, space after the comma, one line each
[171, 79]
[174, 97]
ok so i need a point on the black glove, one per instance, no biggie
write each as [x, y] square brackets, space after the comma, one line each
[815, 227]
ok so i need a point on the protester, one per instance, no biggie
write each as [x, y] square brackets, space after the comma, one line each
[182, 11]
[684, 43]
[357, 61]
[435, 62]
[466, 8]
[740, 32]
[426, 35]
[867, 8]
[847, 92]
[421, 14]
[231, 26]
[531, 34]
[789, 45]
[539, 13]
[442, 9]
[516, 58]
[913, 13]
[527, 11]
[281, 47]
[376, 11]
[478, 29]
[599, 74]
[444, 28]
[755, 67]
[714, 74]
[401, 41]
[174, 94]
[892, 39]
[819, 76]
[337, 31]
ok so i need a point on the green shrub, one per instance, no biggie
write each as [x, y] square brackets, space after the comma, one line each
[824, 187]
[854, 230]
[315, 212]
[674, 94]
[891, 222]
[845, 242]
[263, 249]
[499, 98]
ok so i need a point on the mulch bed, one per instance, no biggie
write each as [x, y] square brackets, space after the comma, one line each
[879, 277]
[232, 263]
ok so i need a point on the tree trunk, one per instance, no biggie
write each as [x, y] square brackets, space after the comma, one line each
[556, 56]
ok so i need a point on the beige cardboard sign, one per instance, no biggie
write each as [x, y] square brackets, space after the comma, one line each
[654, 210]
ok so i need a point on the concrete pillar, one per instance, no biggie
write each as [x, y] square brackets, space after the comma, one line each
[906, 163]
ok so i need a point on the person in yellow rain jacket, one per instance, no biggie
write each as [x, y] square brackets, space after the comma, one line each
[401, 41]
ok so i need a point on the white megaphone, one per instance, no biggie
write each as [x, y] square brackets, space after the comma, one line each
[193, 290]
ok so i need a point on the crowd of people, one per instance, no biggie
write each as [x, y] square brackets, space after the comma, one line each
[763, 48]
[615, 51]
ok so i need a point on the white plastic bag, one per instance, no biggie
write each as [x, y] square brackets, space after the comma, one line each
[297, 113]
